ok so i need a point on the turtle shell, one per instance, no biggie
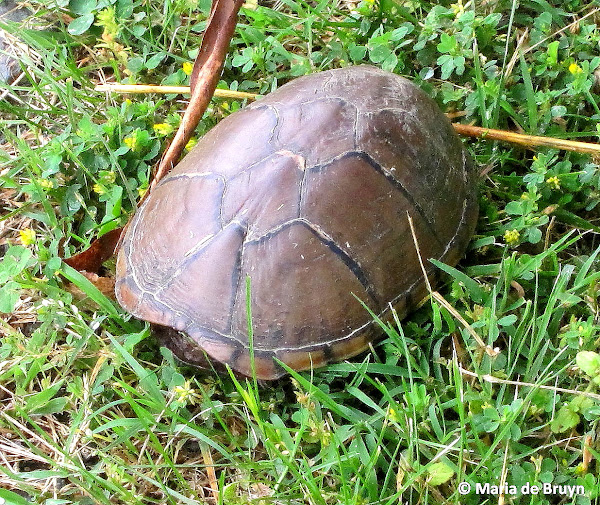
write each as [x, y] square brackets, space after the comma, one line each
[308, 193]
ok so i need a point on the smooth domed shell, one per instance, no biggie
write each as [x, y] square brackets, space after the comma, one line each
[308, 192]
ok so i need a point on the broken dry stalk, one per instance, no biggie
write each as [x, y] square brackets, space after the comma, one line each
[177, 90]
[530, 141]
[205, 76]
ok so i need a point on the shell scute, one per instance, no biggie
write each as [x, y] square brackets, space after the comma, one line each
[189, 219]
[212, 156]
[266, 195]
[298, 254]
[298, 134]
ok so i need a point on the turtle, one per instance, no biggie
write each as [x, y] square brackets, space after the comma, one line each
[299, 217]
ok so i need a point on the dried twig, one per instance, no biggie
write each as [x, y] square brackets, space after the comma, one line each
[204, 78]
[177, 90]
[210, 471]
[526, 140]
[530, 141]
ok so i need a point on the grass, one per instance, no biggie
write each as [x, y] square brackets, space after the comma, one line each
[92, 411]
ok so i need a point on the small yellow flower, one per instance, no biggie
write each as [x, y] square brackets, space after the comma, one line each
[27, 236]
[99, 189]
[458, 8]
[46, 183]
[163, 129]
[575, 69]
[109, 177]
[188, 66]
[128, 101]
[142, 191]
[130, 142]
[191, 143]
[553, 181]
[185, 394]
[525, 196]
[511, 237]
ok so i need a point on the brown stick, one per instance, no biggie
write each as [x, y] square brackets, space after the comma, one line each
[526, 140]
[462, 129]
[204, 78]
[177, 90]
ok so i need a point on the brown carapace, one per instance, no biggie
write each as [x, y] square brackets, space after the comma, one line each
[307, 192]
